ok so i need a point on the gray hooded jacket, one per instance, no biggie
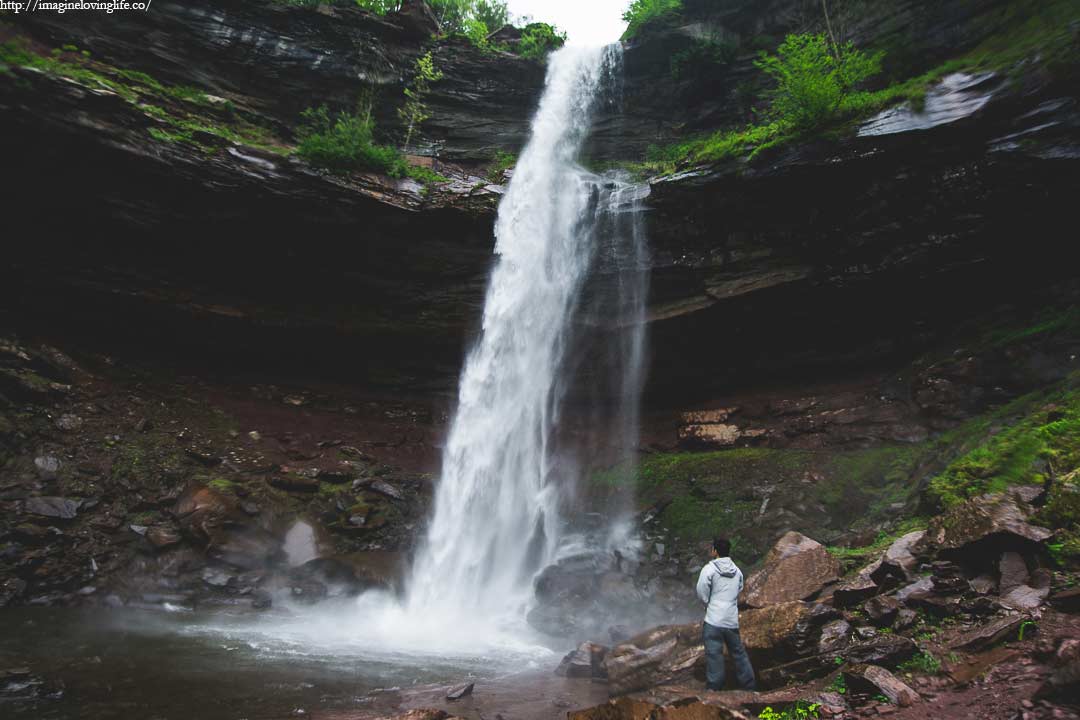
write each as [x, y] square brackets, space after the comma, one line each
[718, 586]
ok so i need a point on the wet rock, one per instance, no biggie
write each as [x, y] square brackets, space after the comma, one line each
[886, 650]
[1013, 571]
[11, 590]
[69, 422]
[162, 537]
[984, 585]
[771, 631]
[882, 610]
[646, 660]
[53, 507]
[47, 466]
[796, 568]
[261, 600]
[877, 680]
[584, 662]
[834, 637]
[905, 619]
[1025, 598]
[899, 559]
[460, 692]
[217, 577]
[1067, 600]
[295, 482]
[384, 488]
[999, 520]
[990, 634]
[1067, 651]
[859, 588]
[920, 587]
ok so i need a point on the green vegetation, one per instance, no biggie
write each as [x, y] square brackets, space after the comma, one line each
[1043, 440]
[815, 81]
[813, 78]
[414, 112]
[345, 142]
[922, 663]
[538, 39]
[858, 557]
[222, 485]
[1024, 627]
[644, 12]
[838, 685]
[185, 114]
[799, 710]
[502, 162]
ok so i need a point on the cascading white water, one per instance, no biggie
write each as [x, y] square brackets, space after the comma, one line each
[496, 519]
[509, 463]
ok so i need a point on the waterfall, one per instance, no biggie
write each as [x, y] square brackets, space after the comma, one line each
[499, 504]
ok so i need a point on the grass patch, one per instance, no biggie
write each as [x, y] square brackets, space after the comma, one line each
[1028, 32]
[1042, 438]
[185, 113]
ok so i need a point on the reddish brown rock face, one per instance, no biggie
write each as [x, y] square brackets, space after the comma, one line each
[796, 568]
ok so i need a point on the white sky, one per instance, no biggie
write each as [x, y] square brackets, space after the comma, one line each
[587, 22]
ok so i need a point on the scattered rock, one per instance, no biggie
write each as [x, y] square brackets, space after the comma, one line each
[586, 661]
[985, 636]
[295, 482]
[880, 681]
[1025, 598]
[1013, 571]
[835, 636]
[899, 559]
[882, 610]
[47, 466]
[53, 507]
[384, 488]
[796, 568]
[69, 423]
[460, 692]
[770, 631]
[1000, 518]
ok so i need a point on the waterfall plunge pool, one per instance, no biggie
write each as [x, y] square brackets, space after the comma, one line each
[126, 663]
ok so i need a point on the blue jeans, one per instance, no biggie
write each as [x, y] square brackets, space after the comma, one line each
[715, 638]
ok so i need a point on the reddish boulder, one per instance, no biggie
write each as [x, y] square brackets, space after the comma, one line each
[797, 568]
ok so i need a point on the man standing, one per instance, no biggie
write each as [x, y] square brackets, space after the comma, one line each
[718, 586]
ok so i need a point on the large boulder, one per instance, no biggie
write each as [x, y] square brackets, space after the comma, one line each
[899, 560]
[978, 530]
[587, 661]
[771, 632]
[653, 657]
[797, 568]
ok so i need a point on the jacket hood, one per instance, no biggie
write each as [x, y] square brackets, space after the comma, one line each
[725, 566]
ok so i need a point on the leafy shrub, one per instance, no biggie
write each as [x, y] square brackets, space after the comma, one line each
[642, 12]
[923, 662]
[800, 710]
[813, 78]
[345, 142]
[538, 39]
[414, 112]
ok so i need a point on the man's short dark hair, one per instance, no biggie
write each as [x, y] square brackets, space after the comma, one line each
[722, 546]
